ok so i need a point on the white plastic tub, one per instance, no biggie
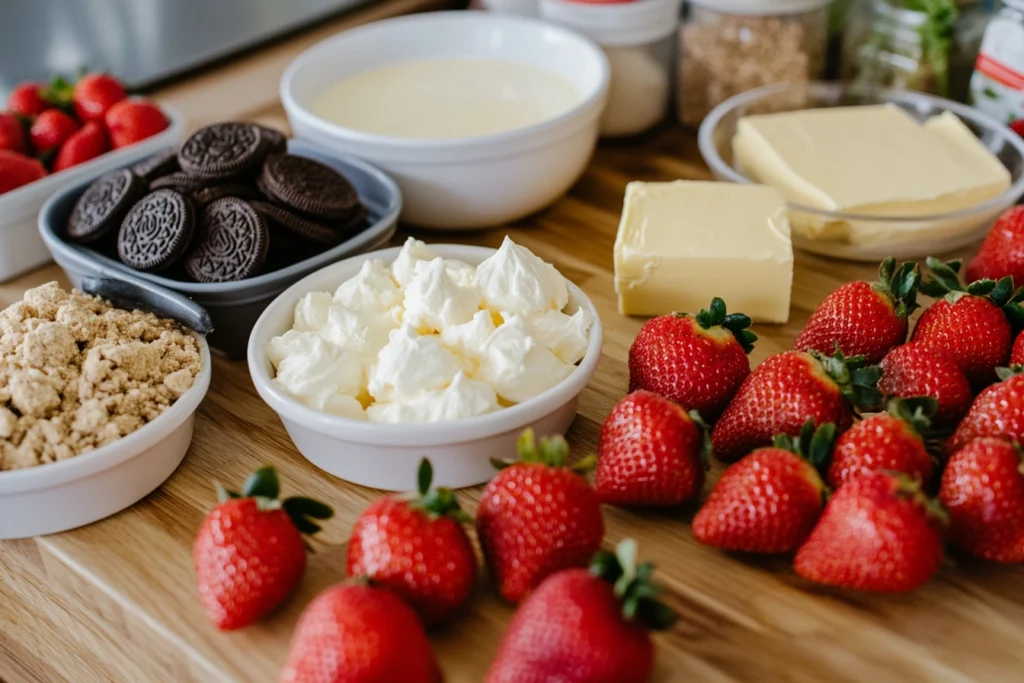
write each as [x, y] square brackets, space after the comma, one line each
[386, 456]
[21, 248]
[71, 493]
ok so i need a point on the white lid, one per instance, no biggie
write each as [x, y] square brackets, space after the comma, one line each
[761, 6]
[616, 24]
[1015, 4]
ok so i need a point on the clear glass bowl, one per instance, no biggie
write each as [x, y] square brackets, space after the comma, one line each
[861, 237]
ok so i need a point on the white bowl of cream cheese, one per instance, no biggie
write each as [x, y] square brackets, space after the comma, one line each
[480, 118]
[429, 373]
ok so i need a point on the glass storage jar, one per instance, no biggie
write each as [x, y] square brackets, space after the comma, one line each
[997, 87]
[893, 44]
[639, 40]
[731, 46]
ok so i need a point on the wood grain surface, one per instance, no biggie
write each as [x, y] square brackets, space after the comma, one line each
[116, 601]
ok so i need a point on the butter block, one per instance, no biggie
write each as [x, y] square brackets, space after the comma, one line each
[680, 244]
[874, 160]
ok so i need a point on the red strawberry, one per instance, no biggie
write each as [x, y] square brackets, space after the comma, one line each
[698, 361]
[1017, 352]
[415, 545]
[879, 532]
[865, 318]
[916, 369]
[94, 95]
[12, 135]
[584, 626]
[27, 99]
[537, 517]
[249, 553]
[89, 142]
[893, 441]
[651, 453]
[355, 633]
[786, 391]
[983, 489]
[1002, 252]
[997, 411]
[50, 130]
[769, 501]
[17, 170]
[969, 324]
[130, 121]
[1018, 127]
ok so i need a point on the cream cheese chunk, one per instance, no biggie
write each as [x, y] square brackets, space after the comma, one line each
[683, 243]
[874, 160]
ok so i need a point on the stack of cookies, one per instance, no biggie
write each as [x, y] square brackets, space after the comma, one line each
[211, 211]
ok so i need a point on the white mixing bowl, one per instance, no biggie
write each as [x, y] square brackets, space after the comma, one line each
[461, 183]
[387, 456]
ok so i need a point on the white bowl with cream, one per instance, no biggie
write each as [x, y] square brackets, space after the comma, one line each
[480, 118]
[386, 456]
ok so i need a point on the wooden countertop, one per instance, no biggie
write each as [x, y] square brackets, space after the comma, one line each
[116, 601]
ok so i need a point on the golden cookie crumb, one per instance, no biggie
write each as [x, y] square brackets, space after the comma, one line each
[77, 374]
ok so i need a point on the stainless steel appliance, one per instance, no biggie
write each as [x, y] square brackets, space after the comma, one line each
[141, 41]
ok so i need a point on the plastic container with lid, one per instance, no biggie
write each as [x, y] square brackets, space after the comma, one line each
[731, 46]
[997, 86]
[639, 39]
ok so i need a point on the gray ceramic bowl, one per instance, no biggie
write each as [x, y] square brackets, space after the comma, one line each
[233, 306]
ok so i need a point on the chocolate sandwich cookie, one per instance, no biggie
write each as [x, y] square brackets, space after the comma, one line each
[233, 242]
[157, 231]
[223, 150]
[307, 186]
[180, 182]
[161, 164]
[101, 208]
[275, 140]
[298, 225]
[212, 193]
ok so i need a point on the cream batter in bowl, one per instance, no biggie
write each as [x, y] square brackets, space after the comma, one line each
[481, 119]
[385, 453]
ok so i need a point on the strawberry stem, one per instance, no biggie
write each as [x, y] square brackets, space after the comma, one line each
[263, 486]
[633, 586]
[916, 411]
[1007, 373]
[437, 502]
[945, 282]
[813, 444]
[858, 382]
[737, 323]
[900, 284]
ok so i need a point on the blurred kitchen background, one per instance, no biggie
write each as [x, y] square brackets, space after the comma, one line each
[142, 41]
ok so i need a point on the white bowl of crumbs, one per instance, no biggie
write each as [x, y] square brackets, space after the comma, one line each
[97, 407]
[441, 351]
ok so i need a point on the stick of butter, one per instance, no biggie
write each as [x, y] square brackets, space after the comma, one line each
[683, 243]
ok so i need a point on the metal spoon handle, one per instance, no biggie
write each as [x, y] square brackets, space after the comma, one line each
[138, 294]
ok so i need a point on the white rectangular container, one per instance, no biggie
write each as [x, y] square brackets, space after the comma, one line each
[21, 247]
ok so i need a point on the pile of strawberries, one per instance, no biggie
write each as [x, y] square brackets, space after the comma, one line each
[412, 566]
[50, 128]
[816, 467]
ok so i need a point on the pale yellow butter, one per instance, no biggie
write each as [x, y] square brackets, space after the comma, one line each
[682, 243]
[874, 160]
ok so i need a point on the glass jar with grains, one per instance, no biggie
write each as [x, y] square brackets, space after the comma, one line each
[730, 46]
